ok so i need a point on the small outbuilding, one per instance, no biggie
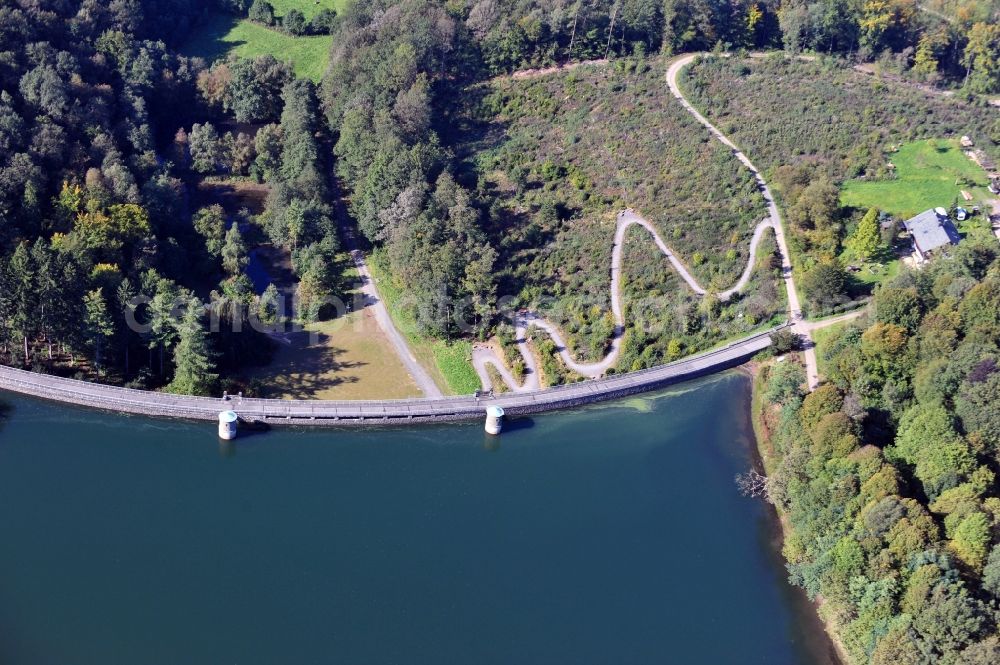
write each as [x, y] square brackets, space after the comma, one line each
[932, 232]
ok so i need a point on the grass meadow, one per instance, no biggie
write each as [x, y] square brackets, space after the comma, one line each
[222, 34]
[929, 174]
[346, 358]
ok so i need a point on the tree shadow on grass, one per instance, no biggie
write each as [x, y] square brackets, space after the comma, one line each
[207, 39]
[310, 369]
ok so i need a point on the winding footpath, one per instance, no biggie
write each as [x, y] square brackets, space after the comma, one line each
[485, 356]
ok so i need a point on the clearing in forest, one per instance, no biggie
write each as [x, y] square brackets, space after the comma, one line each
[222, 34]
[929, 174]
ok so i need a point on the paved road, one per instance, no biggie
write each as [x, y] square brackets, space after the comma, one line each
[373, 301]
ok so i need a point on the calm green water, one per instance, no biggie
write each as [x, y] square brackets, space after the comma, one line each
[612, 534]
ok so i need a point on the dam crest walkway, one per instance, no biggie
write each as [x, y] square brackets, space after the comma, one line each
[376, 413]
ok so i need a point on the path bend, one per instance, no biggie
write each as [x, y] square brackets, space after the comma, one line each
[484, 356]
[373, 300]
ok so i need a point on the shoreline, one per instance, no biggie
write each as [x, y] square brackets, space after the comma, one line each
[762, 458]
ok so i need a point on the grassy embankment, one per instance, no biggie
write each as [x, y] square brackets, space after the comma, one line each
[223, 34]
[449, 363]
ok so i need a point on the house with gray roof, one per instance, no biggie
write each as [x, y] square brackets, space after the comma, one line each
[932, 232]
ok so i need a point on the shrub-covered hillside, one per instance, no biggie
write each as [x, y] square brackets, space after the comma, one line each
[557, 156]
[786, 111]
[811, 125]
[888, 474]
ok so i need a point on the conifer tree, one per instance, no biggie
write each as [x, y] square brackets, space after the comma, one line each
[194, 359]
[234, 252]
[98, 324]
[866, 239]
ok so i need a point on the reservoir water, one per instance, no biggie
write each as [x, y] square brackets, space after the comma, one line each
[612, 534]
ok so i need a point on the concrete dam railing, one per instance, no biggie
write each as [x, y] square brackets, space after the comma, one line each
[371, 413]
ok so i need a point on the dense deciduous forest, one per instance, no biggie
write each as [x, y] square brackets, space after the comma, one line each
[959, 45]
[887, 474]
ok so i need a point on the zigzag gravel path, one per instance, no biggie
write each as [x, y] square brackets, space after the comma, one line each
[484, 356]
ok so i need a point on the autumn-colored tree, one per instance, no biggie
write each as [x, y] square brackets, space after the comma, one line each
[982, 58]
[866, 239]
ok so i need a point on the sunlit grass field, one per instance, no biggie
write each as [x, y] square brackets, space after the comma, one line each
[347, 358]
[929, 174]
[223, 34]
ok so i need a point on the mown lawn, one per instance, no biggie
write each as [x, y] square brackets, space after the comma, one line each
[223, 34]
[930, 173]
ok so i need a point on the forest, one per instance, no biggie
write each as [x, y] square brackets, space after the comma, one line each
[119, 263]
[137, 184]
[887, 474]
